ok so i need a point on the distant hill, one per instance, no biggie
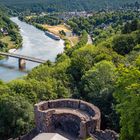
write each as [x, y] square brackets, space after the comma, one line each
[64, 5]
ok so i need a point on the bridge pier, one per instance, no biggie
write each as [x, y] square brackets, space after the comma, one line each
[22, 58]
[21, 63]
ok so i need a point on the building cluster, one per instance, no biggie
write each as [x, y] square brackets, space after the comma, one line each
[67, 15]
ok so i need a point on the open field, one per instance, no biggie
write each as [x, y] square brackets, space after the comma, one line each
[7, 39]
[74, 40]
[56, 29]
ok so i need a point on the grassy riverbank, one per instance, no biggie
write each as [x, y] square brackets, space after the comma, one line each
[7, 40]
[9, 33]
[56, 29]
[12, 40]
[59, 29]
[54, 25]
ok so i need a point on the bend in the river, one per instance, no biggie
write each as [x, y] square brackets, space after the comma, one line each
[35, 44]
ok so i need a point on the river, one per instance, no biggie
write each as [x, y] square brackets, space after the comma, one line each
[35, 44]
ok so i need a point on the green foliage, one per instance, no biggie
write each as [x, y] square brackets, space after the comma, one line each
[55, 78]
[84, 58]
[83, 41]
[4, 89]
[137, 37]
[123, 44]
[16, 116]
[89, 72]
[3, 46]
[47, 19]
[126, 28]
[63, 5]
[130, 27]
[97, 87]
[127, 94]
[67, 45]
[102, 25]
[99, 80]
[137, 61]
[11, 29]
[128, 77]
[23, 88]
[62, 32]
[130, 114]
[16, 37]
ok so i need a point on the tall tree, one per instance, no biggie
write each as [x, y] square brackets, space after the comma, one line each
[127, 93]
[97, 87]
[16, 116]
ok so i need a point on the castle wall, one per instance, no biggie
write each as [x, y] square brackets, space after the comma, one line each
[67, 114]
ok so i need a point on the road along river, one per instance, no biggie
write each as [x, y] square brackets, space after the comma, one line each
[35, 44]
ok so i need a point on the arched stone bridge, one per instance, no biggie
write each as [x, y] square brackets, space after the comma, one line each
[74, 117]
[22, 59]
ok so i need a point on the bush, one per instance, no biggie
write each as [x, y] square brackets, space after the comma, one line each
[16, 116]
[123, 44]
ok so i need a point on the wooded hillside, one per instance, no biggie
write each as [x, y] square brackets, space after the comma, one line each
[64, 5]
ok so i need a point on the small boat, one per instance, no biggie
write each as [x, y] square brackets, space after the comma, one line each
[51, 35]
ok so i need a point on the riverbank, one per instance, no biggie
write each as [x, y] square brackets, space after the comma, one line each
[10, 37]
[35, 44]
[61, 30]
[9, 45]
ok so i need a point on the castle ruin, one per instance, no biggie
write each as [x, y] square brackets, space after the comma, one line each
[75, 117]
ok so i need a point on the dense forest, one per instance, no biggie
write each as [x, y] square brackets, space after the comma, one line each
[106, 73]
[65, 5]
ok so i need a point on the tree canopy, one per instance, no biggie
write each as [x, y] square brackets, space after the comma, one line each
[106, 74]
[55, 5]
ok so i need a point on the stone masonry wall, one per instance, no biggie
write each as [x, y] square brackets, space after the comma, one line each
[73, 116]
[72, 110]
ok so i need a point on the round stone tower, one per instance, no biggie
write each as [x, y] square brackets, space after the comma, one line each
[74, 117]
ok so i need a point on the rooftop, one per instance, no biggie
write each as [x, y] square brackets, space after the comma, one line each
[49, 136]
